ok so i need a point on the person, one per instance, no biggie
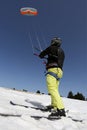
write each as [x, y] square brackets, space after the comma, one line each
[54, 67]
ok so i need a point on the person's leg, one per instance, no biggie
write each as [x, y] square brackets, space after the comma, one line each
[53, 85]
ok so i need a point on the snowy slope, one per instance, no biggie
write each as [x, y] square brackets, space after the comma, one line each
[77, 109]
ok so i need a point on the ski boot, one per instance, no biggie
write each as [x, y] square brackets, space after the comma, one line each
[57, 113]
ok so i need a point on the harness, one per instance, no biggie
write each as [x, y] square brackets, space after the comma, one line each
[53, 74]
[51, 65]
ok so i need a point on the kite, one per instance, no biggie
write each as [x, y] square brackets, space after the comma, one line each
[28, 11]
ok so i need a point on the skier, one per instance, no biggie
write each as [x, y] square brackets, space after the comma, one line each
[54, 67]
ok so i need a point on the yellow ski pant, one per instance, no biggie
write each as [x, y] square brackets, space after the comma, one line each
[53, 86]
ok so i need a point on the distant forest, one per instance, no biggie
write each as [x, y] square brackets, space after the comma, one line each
[78, 96]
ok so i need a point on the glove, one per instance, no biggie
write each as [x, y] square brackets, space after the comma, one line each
[41, 56]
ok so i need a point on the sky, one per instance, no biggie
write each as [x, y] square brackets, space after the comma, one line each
[19, 68]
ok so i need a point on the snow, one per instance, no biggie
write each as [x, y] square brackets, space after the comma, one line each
[77, 109]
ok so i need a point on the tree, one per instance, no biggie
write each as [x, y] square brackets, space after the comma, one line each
[25, 90]
[79, 96]
[38, 91]
[70, 94]
[76, 96]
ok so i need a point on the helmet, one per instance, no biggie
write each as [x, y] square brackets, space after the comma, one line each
[56, 41]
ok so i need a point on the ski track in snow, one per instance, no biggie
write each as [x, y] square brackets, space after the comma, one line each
[77, 110]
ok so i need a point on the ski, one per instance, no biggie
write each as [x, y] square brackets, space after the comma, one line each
[74, 119]
[41, 107]
[55, 118]
[40, 117]
[15, 104]
[36, 108]
[8, 114]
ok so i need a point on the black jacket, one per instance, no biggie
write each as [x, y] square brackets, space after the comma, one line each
[55, 56]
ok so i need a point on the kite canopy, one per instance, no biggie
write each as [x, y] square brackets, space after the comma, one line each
[28, 11]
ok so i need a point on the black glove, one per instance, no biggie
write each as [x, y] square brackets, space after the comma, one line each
[40, 55]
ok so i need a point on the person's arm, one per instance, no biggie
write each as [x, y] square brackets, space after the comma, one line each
[44, 53]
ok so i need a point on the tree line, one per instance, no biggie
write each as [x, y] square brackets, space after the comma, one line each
[78, 96]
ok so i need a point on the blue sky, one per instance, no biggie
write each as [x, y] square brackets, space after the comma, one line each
[19, 68]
